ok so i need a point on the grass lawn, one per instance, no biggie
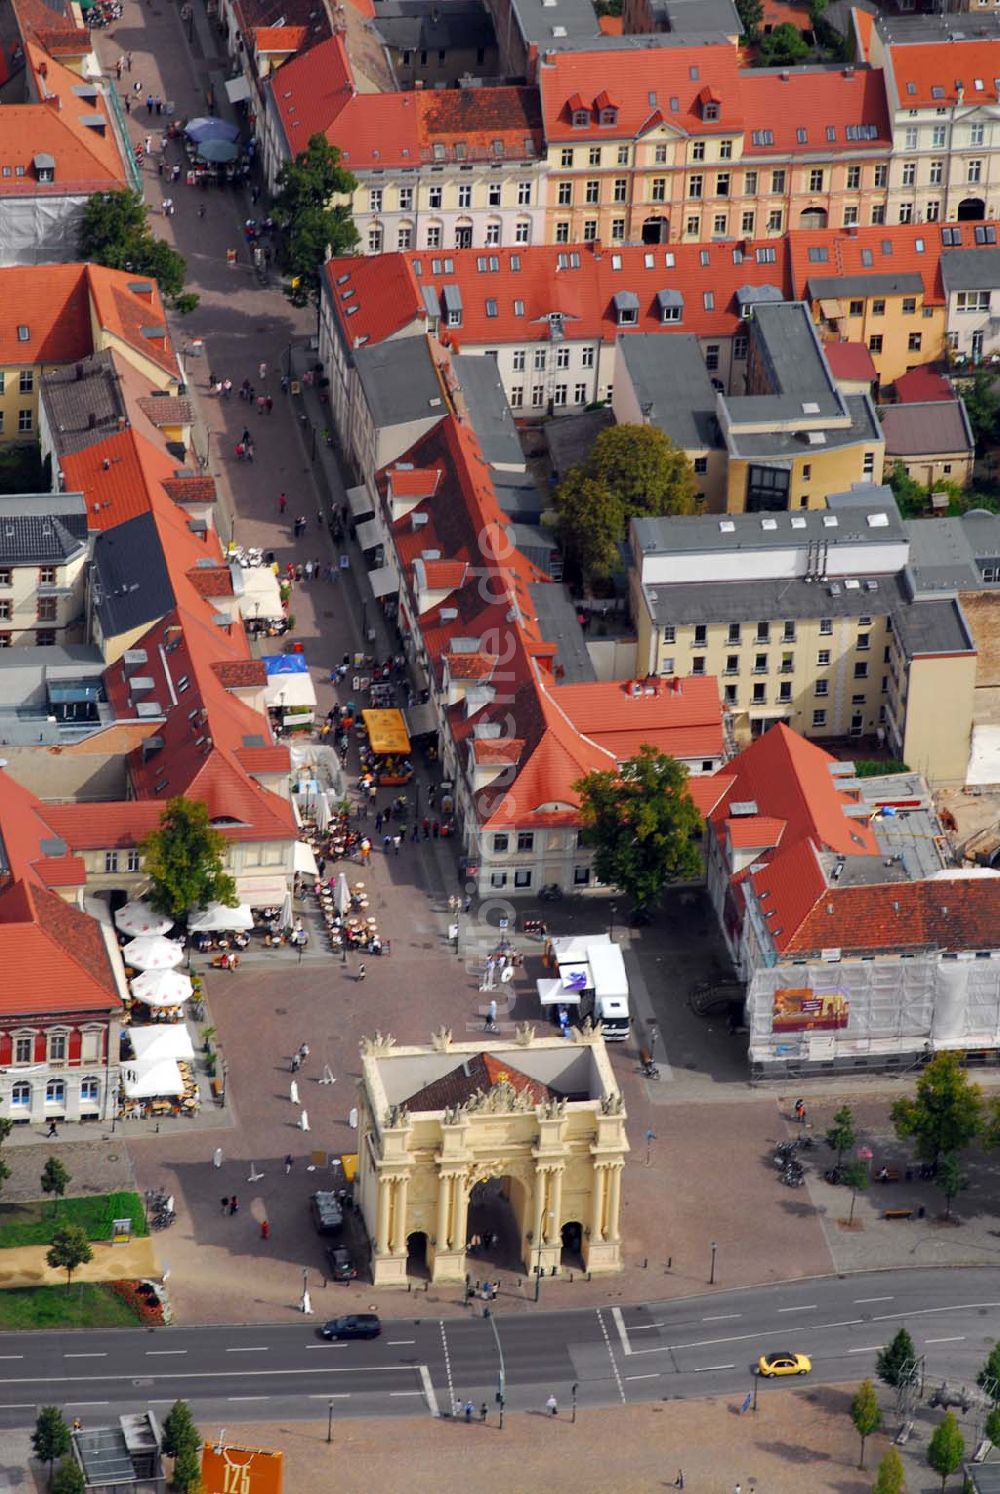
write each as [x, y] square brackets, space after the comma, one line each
[33, 1223]
[86, 1304]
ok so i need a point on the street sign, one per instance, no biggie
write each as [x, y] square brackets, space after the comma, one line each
[747, 1402]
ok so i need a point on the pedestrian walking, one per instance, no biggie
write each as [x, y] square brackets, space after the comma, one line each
[552, 1405]
[163, 145]
[217, 1157]
[127, 101]
[128, 61]
[491, 1016]
[362, 972]
[227, 388]
[470, 1412]
[308, 570]
[262, 372]
[148, 145]
[265, 1230]
[268, 403]
[484, 1411]
[119, 66]
[282, 503]
[234, 1205]
[679, 1480]
[296, 1063]
[52, 1129]
[149, 103]
[293, 1092]
[288, 1164]
[159, 167]
[137, 88]
[378, 822]
[396, 840]
[260, 404]
[467, 904]
[303, 1051]
[225, 1205]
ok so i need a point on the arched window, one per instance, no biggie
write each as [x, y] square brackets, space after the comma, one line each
[20, 1096]
[55, 1092]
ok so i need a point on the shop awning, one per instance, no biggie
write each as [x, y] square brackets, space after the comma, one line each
[160, 1041]
[368, 536]
[360, 502]
[832, 310]
[217, 918]
[237, 89]
[305, 859]
[288, 681]
[421, 719]
[150, 1080]
[387, 733]
[261, 595]
[261, 892]
[383, 581]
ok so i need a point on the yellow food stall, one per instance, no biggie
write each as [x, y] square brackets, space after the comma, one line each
[390, 742]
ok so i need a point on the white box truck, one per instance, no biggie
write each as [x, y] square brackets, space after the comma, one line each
[588, 980]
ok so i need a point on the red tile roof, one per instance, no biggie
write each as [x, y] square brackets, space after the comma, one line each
[56, 305]
[87, 159]
[241, 674]
[948, 913]
[477, 119]
[61, 951]
[645, 84]
[408, 483]
[818, 101]
[445, 575]
[920, 385]
[685, 721]
[279, 38]
[211, 581]
[104, 826]
[755, 832]
[481, 1071]
[943, 74]
[850, 361]
[914, 248]
[191, 489]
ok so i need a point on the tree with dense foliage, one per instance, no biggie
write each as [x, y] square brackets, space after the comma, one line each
[858, 1178]
[911, 496]
[70, 1248]
[992, 1426]
[988, 1378]
[782, 47]
[179, 1430]
[896, 1364]
[865, 1414]
[643, 825]
[6, 1126]
[751, 14]
[312, 227]
[945, 1114]
[946, 1449]
[187, 1472]
[631, 471]
[69, 1478]
[55, 1178]
[842, 1135]
[184, 861]
[981, 395]
[891, 1477]
[50, 1439]
[115, 232]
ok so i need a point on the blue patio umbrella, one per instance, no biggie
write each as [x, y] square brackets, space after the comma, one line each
[210, 128]
[217, 151]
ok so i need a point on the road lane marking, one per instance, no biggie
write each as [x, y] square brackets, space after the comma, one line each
[958, 1339]
[654, 1376]
[428, 1388]
[406, 1392]
[86, 1356]
[17, 1406]
[812, 1307]
[332, 1345]
[611, 1354]
[217, 1374]
[721, 1317]
[874, 1299]
[395, 1343]
[11, 1356]
[340, 1395]
[154, 1353]
[89, 1403]
[642, 1327]
[844, 1323]
[706, 1369]
[869, 1350]
[619, 1322]
[249, 1349]
[447, 1363]
[248, 1397]
[917, 1312]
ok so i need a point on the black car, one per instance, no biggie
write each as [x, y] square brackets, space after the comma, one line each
[355, 1325]
[339, 1265]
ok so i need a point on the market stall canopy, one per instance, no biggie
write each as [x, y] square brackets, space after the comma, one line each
[165, 1040]
[162, 987]
[152, 954]
[554, 993]
[237, 90]
[139, 919]
[387, 734]
[304, 859]
[288, 681]
[421, 720]
[261, 892]
[383, 581]
[150, 1081]
[209, 127]
[217, 918]
[368, 535]
[261, 594]
[218, 152]
[360, 501]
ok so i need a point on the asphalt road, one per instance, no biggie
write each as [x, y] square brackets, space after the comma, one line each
[421, 1366]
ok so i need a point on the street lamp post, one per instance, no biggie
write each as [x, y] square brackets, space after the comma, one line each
[329, 1422]
[502, 1377]
[711, 1273]
[573, 1392]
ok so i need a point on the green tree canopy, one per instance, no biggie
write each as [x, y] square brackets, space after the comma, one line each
[69, 1478]
[55, 1178]
[946, 1449]
[945, 1114]
[187, 1472]
[70, 1248]
[783, 47]
[50, 1439]
[115, 232]
[992, 1427]
[865, 1414]
[6, 1126]
[184, 861]
[982, 404]
[751, 14]
[858, 1179]
[630, 471]
[896, 1364]
[642, 824]
[842, 1135]
[891, 1477]
[910, 495]
[179, 1430]
[988, 1378]
[312, 226]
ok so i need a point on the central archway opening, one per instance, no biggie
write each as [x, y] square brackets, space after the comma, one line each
[494, 1224]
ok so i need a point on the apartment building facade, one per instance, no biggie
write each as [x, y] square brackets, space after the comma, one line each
[44, 552]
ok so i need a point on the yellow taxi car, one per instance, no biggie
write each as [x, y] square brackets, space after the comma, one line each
[783, 1362]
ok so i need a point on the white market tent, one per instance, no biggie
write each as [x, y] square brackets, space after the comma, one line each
[554, 993]
[154, 1044]
[217, 918]
[141, 920]
[261, 596]
[162, 987]
[152, 953]
[150, 1081]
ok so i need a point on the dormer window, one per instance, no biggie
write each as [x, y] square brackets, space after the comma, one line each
[609, 116]
[710, 110]
[626, 308]
[581, 119]
[606, 108]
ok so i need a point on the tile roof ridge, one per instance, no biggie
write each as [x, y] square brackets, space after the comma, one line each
[38, 896]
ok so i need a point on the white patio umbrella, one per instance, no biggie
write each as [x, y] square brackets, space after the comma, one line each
[322, 811]
[162, 987]
[142, 920]
[153, 953]
[342, 896]
[145, 1081]
[286, 917]
[163, 1040]
[217, 918]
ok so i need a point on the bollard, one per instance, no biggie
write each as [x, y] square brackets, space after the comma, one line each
[670, 1262]
[645, 1263]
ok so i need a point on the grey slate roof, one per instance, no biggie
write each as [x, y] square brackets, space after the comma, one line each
[941, 558]
[82, 411]
[771, 601]
[932, 627]
[864, 426]
[754, 532]
[42, 528]
[489, 412]
[400, 381]
[132, 575]
[558, 624]
[673, 387]
[413, 25]
[970, 269]
[937, 427]
[885, 284]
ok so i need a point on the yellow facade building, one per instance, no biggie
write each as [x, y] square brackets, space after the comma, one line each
[527, 1134]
